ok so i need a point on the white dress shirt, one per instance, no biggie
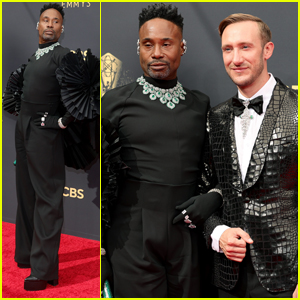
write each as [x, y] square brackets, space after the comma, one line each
[245, 145]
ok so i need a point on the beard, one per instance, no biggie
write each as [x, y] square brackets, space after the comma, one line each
[252, 77]
[159, 74]
[49, 37]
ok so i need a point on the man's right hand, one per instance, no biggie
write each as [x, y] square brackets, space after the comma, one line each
[233, 242]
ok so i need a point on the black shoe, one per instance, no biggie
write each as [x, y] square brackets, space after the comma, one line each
[32, 283]
[23, 266]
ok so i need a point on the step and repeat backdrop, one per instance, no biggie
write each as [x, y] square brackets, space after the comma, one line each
[19, 42]
[202, 66]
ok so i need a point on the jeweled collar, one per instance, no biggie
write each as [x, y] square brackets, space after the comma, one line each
[169, 92]
[45, 48]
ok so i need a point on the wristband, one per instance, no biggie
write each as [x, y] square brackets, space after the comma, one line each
[60, 124]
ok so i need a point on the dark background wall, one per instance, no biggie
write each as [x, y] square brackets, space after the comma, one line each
[19, 42]
[202, 66]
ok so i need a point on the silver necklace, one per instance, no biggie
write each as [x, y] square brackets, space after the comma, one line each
[246, 117]
[170, 97]
[40, 52]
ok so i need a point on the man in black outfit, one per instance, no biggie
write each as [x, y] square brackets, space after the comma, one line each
[254, 144]
[162, 129]
[40, 170]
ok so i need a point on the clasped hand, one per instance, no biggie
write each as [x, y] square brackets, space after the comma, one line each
[46, 121]
[233, 242]
[199, 208]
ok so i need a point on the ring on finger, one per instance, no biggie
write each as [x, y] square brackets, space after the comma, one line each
[192, 226]
[187, 221]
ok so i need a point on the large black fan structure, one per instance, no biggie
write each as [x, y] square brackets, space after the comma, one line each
[81, 143]
[11, 99]
[111, 168]
[79, 78]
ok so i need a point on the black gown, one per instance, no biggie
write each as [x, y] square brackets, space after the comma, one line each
[40, 169]
[163, 148]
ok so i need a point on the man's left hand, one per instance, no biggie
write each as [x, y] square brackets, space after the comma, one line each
[46, 121]
[295, 294]
[199, 208]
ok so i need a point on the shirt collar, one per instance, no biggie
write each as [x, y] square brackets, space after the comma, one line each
[45, 45]
[161, 83]
[266, 91]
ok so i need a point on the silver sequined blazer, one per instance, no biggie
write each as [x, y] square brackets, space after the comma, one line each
[265, 205]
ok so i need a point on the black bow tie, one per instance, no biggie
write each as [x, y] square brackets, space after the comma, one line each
[256, 104]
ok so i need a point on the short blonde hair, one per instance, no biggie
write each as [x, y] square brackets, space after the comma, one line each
[265, 31]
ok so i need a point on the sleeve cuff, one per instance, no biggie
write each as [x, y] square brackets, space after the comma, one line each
[215, 236]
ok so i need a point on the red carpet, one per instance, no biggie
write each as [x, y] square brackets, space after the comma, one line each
[79, 269]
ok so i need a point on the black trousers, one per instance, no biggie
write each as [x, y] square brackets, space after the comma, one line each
[151, 256]
[248, 285]
[40, 180]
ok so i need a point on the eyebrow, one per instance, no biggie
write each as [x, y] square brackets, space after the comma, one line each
[239, 44]
[164, 39]
[49, 18]
[224, 46]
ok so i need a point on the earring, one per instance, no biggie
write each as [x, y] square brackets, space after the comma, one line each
[37, 25]
[184, 46]
[138, 47]
[62, 28]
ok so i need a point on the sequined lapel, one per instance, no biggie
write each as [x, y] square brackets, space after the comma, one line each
[236, 180]
[260, 148]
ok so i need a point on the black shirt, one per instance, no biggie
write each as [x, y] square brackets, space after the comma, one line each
[159, 144]
[40, 84]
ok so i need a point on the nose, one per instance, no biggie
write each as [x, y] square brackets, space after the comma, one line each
[237, 57]
[50, 24]
[157, 51]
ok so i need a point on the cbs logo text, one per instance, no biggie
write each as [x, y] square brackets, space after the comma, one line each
[73, 193]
